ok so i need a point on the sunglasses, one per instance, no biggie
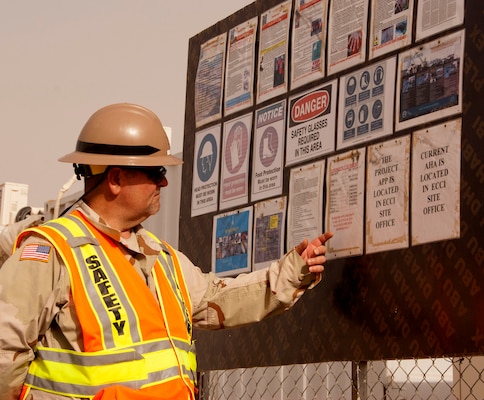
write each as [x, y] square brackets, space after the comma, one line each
[156, 174]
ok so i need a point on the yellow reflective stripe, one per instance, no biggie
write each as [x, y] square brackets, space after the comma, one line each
[84, 374]
[91, 375]
[161, 360]
[188, 361]
[185, 355]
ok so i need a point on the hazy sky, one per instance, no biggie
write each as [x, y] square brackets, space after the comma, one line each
[61, 60]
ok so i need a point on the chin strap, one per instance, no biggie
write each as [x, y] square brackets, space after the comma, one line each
[85, 171]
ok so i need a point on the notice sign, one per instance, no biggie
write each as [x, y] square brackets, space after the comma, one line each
[366, 100]
[387, 176]
[235, 161]
[268, 151]
[436, 157]
[205, 171]
[311, 124]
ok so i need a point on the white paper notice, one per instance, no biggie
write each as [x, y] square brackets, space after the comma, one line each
[311, 124]
[305, 209]
[347, 34]
[387, 195]
[273, 52]
[345, 183]
[308, 41]
[436, 156]
[235, 162]
[391, 26]
[269, 223]
[366, 99]
[239, 73]
[268, 152]
[438, 16]
[205, 171]
[209, 81]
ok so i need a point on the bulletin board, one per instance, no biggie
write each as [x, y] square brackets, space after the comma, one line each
[386, 103]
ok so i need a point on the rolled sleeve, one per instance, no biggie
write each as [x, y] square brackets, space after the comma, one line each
[247, 298]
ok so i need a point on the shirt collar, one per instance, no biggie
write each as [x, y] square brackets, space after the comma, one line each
[138, 233]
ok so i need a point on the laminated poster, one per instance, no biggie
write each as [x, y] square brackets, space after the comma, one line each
[347, 34]
[235, 162]
[429, 85]
[366, 99]
[268, 151]
[305, 211]
[308, 41]
[273, 52]
[345, 183]
[387, 195]
[391, 26]
[232, 238]
[209, 80]
[239, 75]
[269, 223]
[311, 124]
[205, 171]
[438, 16]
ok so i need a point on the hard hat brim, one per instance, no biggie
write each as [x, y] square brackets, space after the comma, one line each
[153, 160]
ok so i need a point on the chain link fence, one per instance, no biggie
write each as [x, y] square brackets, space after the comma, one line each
[436, 378]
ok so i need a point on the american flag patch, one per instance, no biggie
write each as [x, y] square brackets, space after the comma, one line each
[36, 252]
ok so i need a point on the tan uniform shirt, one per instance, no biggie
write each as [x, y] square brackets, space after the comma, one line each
[36, 304]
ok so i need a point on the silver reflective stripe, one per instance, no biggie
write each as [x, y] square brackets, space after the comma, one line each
[170, 274]
[164, 374]
[71, 389]
[88, 359]
[160, 344]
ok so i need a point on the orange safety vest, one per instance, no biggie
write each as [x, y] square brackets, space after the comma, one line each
[135, 347]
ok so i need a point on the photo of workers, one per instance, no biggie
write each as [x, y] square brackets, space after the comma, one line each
[430, 81]
[232, 235]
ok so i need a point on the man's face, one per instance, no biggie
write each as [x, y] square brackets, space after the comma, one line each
[141, 191]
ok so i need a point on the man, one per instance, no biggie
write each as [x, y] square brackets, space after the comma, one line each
[94, 306]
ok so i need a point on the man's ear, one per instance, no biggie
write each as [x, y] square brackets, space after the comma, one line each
[113, 178]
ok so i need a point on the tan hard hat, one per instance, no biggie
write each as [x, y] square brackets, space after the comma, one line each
[123, 134]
